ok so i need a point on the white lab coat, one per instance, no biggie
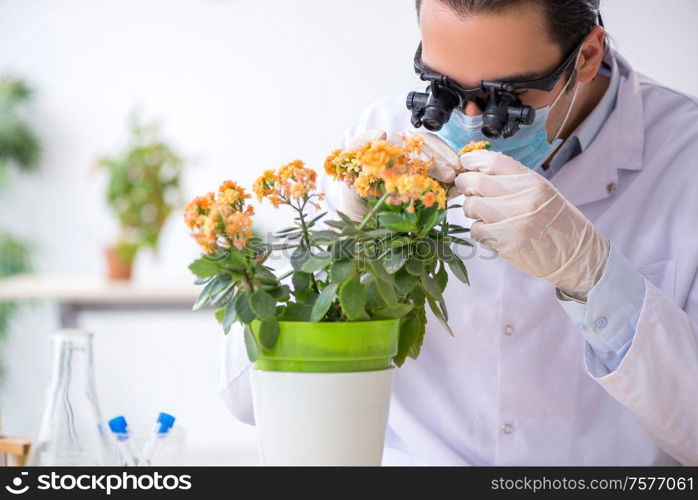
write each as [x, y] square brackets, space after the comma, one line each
[518, 385]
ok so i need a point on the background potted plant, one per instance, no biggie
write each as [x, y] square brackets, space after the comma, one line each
[325, 335]
[20, 148]
[143, 189]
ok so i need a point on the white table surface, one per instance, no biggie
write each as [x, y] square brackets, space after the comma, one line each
[81, 289]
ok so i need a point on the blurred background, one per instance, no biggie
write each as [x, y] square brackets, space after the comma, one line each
[237, 86]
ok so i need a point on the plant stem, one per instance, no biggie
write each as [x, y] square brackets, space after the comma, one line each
[373, 211]
[306, 238]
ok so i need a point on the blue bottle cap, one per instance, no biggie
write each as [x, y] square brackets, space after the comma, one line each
[166, 422]
[119, 426]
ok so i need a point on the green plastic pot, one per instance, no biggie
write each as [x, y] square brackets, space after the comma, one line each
[330, 347]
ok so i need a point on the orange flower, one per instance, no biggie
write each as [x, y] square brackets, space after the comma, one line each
[232, 194]
[196, 208]
[474, 146]
[342, 165]
[410, 188]
[238, 229]
[291, 182]
[221, 219]
[266, 187]
[375, 164]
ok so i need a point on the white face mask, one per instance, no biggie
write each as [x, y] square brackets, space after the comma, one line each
[529, 145]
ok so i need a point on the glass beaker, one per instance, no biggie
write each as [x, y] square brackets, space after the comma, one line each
[72, 431]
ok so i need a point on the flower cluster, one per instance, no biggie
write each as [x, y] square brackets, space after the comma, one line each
[292, 182]
[380, 167]
[474, 146]
[220, 219]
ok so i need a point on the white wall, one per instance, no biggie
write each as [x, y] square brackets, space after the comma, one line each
[241, 86]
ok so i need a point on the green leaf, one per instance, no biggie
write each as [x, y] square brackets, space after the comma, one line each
[336, 224]
[396, 222]
[323, 237]
[341, 270]
[262, 304]
[229, 316]
[421, 323]
[206, 294]
[404, 282]
[428, 218]
[442, 277]
[439, 315]
[418, 296]
[414, 267]
[344, 249]
[315, 218]
[386, 289]
[394, 311]
[456, 229]
[460, 241]
[454, 263]
[431, 287]
[411, 336]
[299, 256]
[265, 275]
[251, 345]
[379, 270]
[300, 280]
[394, 260]
[219, 314]
[458, 269]
[204, 268]
[269, 333]
[222, 293]
[280, 293]
[316, 262]
[287, 230]
[237, 258]
[379, 233]
[352, 298]
[373, 298]
[323, 302]
[297, 311]
[400, 242]
[242, 306]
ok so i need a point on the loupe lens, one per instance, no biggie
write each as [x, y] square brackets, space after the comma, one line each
[434, 118]
[490, 132]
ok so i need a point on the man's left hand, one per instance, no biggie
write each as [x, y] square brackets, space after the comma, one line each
[528, 222]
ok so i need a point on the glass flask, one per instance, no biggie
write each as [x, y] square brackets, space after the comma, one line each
[71, 431]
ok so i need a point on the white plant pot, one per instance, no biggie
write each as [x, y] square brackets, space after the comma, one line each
[321, 418]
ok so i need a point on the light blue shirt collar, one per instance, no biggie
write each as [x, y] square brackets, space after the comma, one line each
[586, 132]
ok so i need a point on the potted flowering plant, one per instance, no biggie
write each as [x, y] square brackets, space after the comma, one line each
[325, 335]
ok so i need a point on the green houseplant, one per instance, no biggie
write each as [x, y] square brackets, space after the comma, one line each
[142, 191]
[20, 149]
[354, 302]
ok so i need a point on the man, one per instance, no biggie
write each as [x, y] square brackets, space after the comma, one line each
[579, 343]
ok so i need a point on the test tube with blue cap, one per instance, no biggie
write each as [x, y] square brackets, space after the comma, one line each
[130, 454]
[161, 431]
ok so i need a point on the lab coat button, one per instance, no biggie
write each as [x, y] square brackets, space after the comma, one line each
[507, 428]
[509, 330]
[611, 187]
[601, 322]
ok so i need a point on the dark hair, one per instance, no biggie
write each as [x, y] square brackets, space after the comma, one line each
[568, 21]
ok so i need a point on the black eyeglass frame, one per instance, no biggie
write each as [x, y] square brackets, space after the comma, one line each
[545, 83]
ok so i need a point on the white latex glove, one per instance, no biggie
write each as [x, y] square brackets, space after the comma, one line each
[444, 168]
[528, 222]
